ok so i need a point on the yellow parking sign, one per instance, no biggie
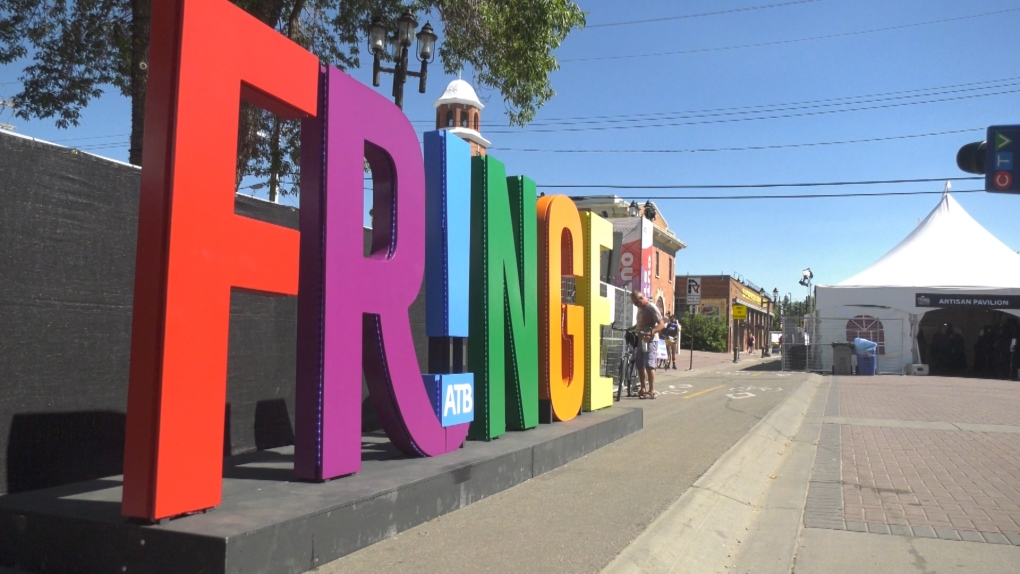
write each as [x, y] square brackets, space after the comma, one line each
[739, 312]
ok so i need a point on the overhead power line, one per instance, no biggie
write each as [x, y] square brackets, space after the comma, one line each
[744, 148]
[805, 196]
[749, 119]
[987, 84]
[795, 106]
[755, 185]
[792, 41]
[699, 15]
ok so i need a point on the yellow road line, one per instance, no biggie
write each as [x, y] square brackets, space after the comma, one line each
[692, 395]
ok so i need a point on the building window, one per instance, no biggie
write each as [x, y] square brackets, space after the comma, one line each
[671, 274]
[866, 327]
[449, 118]
[656, 263]
[464, 119]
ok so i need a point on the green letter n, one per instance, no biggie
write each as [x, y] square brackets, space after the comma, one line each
[503, 343]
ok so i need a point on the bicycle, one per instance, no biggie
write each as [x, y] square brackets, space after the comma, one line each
[626, 376]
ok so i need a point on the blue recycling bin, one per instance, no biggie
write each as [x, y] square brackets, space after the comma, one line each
[867, 362]
[867, 365]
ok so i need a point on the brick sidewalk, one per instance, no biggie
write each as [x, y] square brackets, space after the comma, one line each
[929, 457]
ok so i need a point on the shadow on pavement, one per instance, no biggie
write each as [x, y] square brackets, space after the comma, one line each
[773, 365]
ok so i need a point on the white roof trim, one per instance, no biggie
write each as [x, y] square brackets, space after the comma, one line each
[469, 135]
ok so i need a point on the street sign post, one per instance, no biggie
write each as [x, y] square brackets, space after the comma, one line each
[1000, 165]
[739, 312]
[694, 290]
[694, 311]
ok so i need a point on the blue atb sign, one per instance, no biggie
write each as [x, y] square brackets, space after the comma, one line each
[452, 396]
[1000, 166]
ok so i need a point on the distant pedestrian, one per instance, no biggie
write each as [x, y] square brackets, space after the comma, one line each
[672, 332]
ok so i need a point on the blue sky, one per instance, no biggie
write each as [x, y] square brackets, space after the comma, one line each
[694, 80]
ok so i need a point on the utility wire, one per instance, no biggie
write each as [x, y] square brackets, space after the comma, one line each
[805, 196]
[772, 108]
[793, 41]
[699, 15]
[766, 107]
[733, 120]
[758, 185]
[745, 148]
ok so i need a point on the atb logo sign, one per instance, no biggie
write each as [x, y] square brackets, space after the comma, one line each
[458, 402]
[452, 397]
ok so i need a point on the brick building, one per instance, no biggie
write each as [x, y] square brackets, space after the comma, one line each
[659, 269]
[718, 295]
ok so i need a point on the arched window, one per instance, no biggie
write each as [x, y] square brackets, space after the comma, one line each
[449, 118]
[477, 121]
[464, 119]
[866, 327]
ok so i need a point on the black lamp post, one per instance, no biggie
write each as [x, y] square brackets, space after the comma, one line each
[774, 301]
[736, 336]
[633, 209]
[761, 335]
[399, 43]
[649, 210]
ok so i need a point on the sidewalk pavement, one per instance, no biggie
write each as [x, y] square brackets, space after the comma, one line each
[856, 474]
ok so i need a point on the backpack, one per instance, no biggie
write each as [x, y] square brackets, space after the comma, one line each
[672, 330]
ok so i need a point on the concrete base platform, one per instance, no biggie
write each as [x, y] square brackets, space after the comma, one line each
[268, 523]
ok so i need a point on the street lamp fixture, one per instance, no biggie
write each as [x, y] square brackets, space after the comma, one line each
[774, 301]
[805, 280]
[649, 210]
[399, 43]
[764, 334]
[633, 209]
[806, 277]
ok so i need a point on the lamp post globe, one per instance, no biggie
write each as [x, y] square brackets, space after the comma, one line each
[405, 29]
[426, 43]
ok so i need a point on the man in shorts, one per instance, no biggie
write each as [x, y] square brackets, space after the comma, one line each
[649, 321]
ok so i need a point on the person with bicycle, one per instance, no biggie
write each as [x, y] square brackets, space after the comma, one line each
[649, 322]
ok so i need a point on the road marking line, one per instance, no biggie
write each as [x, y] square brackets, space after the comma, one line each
[692, 395]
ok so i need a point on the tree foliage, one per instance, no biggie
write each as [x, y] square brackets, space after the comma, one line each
[797, 308]
[710, 332]
[80, 48]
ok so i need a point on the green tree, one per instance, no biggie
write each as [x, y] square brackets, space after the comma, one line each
[80, 48]
[709, 332]
[797, 309]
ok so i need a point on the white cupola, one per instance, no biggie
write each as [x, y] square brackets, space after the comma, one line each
[459, 111]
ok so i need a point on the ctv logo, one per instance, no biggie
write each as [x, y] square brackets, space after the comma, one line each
[450, 219]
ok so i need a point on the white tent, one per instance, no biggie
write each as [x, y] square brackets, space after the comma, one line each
[948, 260]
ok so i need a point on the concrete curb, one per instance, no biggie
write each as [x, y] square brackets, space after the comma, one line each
[702, 531]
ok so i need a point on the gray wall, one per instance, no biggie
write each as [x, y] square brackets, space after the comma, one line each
[68, 224]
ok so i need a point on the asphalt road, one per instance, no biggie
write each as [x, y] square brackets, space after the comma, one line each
[578, 517]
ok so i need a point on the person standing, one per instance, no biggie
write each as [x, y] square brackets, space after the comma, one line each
[648, 322]
[672, 332]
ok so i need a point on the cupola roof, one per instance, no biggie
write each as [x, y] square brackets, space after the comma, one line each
[459, 92]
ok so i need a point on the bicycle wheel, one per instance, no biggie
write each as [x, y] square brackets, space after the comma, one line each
[618, 391]
[631, 378]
